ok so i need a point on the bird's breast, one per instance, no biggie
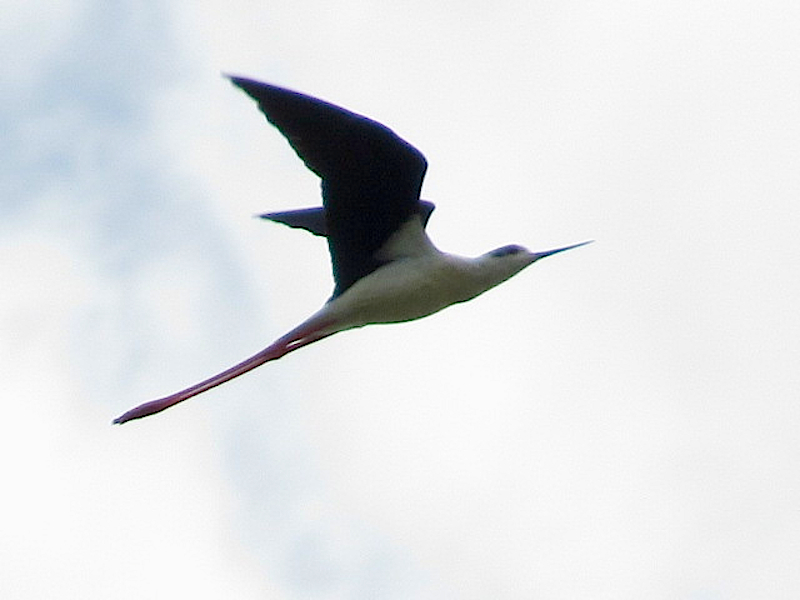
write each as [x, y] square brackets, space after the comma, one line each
[407, 289]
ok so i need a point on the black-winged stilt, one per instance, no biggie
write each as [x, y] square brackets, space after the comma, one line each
[385, 267]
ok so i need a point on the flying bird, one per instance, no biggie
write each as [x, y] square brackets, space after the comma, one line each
[385, 268]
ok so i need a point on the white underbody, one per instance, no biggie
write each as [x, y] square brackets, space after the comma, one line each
[419, 281]
[405, 290]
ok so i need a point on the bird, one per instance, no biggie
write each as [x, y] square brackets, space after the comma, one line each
[385, 267]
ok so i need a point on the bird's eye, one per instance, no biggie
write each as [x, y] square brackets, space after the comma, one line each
[506, 250]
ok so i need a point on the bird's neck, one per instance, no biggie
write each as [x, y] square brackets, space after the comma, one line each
[485, 272]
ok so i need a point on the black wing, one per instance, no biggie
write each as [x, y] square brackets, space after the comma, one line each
[313, 219]
[371, 178]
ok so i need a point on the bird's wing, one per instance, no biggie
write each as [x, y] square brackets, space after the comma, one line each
[371, 178]
[313, 219]
[310, 219]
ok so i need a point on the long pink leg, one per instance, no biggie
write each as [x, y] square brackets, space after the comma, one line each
[305, 334]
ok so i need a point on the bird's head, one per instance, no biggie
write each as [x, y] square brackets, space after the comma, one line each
[507, 261]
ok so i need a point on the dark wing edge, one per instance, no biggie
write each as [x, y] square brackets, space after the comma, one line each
[313, 219]
[310, 219]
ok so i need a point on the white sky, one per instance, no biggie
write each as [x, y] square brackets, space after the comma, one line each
[618, 422]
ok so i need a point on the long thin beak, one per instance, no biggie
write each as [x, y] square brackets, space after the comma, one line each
[538, 255]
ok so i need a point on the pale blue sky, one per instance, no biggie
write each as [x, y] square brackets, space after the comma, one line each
[617, 422]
